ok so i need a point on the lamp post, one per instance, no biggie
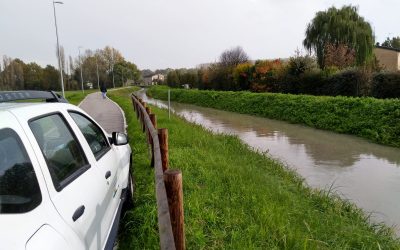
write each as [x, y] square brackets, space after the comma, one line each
[80, 61]
[58, 47]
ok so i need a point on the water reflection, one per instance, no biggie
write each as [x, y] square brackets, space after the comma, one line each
[364, 172]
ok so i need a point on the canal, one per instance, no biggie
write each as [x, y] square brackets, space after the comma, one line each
[365, 173]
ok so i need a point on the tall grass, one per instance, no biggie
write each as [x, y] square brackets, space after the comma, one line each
[235, 198]
[374, 119]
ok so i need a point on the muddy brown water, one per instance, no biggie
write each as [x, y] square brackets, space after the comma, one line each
[363, 172]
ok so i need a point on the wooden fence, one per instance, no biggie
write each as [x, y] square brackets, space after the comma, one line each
[168, 182]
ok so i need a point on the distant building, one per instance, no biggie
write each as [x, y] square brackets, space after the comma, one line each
[389, 58]
[89, 85]
[153, 79]
[157, 78]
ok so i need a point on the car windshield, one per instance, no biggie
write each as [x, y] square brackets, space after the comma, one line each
[19, 188]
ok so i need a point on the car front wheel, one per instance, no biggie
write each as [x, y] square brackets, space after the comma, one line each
[130, 192]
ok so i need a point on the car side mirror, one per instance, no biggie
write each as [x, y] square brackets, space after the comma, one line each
[119, 138]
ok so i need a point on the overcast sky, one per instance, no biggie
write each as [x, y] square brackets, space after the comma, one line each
[172, 33]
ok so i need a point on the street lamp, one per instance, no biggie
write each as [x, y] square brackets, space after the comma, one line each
[58, 47]
[80, 61]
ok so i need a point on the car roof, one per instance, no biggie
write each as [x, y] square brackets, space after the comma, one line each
[29, 109]
[16, 105]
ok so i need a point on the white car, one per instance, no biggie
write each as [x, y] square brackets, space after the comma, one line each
[63, 179]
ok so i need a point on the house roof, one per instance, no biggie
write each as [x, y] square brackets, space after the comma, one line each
[388, 48]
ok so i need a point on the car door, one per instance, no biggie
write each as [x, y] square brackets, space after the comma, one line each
[77, 186]
[106, 162]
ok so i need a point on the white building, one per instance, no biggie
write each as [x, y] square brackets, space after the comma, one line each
[157, 78]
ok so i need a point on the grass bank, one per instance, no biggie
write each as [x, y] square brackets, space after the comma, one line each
[76, 96]
[374, 119]
[235, 198]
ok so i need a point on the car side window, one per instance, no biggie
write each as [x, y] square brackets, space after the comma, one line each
[62, 151]
[19, 187]
[92, 133]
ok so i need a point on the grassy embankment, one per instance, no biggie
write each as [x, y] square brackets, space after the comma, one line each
[374, 119]
[235, 198]
[76, 96]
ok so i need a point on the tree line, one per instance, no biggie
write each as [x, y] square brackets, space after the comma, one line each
[340, 61]
[103, 66]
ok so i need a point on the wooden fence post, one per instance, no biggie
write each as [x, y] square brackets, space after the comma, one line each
[141, 116]
[163, 139]
[173, 186]
[144, 123]
[153, 120]
[137, 110]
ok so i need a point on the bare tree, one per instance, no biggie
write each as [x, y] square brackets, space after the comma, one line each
[62, 57]
[233, 57]
[71, 65]
[111, 56]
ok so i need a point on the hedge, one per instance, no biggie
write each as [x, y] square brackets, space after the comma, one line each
[374, 119]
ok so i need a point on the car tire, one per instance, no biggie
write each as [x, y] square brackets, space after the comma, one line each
[129, 193]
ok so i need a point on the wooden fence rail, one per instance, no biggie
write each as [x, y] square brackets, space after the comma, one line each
[168, 184]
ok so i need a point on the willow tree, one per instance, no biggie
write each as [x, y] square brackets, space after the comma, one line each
[340, 27]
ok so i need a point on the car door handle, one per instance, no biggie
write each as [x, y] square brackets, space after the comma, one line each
[108, 174]
[78, 213]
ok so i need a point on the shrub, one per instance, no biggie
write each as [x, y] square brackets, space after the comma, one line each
[386, 85]
[300, 64]
[352, 82]
[242, 75]
[268, 75]
[312, 83]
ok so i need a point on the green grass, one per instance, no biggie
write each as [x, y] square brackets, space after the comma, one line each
[370, 118]
[76, 96]
[235, 198]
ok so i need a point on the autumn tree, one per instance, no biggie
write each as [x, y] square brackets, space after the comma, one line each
[339, 55]
[340, 26]
[242, 75]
